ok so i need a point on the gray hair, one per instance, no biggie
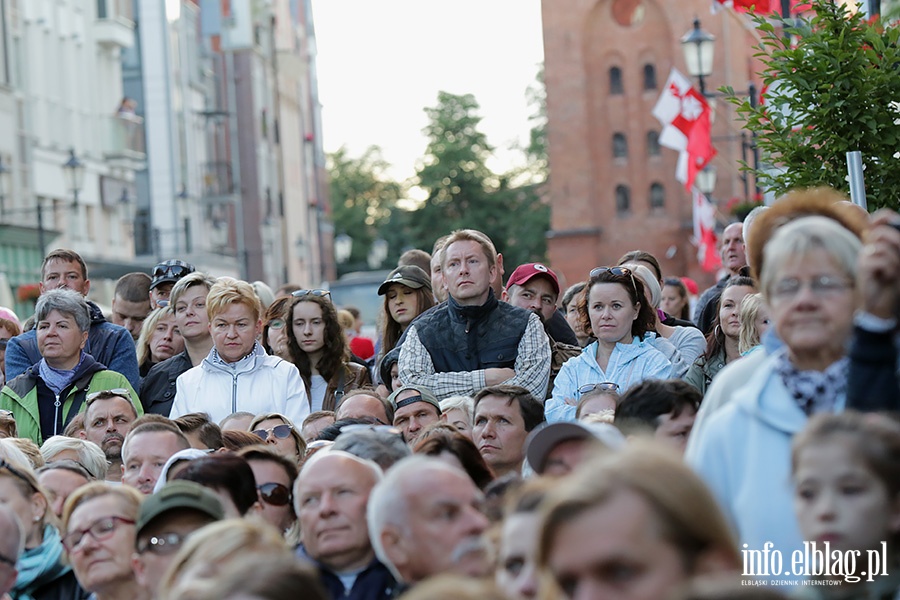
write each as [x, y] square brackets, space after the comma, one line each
[375, 468]
[13, 534]
[90, 455]
[802, 236]
[388, 503]
[748, 220]
[463, 403]
[381, 447]
[68, 302]
[189, 281]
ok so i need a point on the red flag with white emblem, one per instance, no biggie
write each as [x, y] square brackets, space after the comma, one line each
[705, 233]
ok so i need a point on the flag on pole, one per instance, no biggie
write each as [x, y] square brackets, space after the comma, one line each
[705, 232]
[685, 117]
[761, 6]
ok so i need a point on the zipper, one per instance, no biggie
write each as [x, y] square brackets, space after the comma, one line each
[56, 405]
[234, 393]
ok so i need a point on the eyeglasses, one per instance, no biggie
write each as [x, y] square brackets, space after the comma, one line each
[276, 324]
[279, 431]
[7, 561]
[274, 494]
[606, 386]
[176, 271]
[163, 545]
[107, 394]
[99, 530]
[620, 271]
[16, 473]
[824, 285]
[304, 293]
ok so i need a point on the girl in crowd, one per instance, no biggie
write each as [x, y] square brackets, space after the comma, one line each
[274, 334]
[159, 339]
[754, 323]
[722, 341]
[281, 434]
[599, 399]
[318, 348]
[570, 310]
[275, 476]
[614, 309]
[846, 474]
[407, 294]
[43, 572]
[675, 299]
[680, 344]
[99, 524]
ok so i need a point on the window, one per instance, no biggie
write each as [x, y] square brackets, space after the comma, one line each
[620, 145]
[657, 195]
[615, 81]
[649, 77]
[623, 199]
[653, 144]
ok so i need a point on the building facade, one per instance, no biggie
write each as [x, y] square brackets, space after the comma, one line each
[612, 187]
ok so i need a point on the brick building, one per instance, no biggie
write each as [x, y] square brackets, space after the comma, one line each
[612, 188]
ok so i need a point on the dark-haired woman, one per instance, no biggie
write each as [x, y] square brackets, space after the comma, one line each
[613, 309]
[318, 348]
[723, 342]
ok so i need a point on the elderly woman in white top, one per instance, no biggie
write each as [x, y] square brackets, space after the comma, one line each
[743, 452]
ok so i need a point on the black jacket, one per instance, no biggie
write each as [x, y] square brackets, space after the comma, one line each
[158, 387]
[872, 383]
[375, 582]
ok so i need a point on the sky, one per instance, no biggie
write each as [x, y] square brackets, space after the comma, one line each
[381, 63]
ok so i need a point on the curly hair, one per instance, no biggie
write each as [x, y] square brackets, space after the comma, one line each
[646, 319]
[334, 352]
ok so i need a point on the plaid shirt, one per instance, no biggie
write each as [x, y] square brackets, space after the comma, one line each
[532, 366]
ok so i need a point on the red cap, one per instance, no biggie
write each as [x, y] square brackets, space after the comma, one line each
[691, 285]
[524, 273]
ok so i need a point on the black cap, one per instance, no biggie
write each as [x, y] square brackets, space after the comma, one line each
[409, 275]
[170, 271]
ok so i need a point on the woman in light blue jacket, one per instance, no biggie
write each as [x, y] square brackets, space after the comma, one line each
[613, 309]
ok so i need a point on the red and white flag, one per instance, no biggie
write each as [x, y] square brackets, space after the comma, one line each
[760, 6]
[705, 232]
[685, 117]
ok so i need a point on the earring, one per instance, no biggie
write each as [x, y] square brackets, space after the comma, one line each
[717, 331]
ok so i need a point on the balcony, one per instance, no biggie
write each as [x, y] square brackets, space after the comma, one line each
[124, 139]
[114, 27]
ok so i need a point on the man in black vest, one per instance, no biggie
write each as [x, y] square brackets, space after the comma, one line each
[473, 340]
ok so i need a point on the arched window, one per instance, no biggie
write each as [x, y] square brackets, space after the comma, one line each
[657, 195]
[653, 144]
[620, 145]
[623, 199]
[615, 81]
[649, 77]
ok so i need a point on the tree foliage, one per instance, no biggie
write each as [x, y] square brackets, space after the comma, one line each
[363, 199]
[832, 88]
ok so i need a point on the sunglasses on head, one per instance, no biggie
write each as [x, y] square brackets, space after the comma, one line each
[279, 431]
[168, 271]
[304, 293]
[619, 271]
[274, 494]
[606, 386]
[15, 472]
[106, 394]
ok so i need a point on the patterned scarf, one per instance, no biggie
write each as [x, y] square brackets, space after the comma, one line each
[58, 379]
[814, 391]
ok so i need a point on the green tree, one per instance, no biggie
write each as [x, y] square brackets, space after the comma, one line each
[832, 89]
[362, 200]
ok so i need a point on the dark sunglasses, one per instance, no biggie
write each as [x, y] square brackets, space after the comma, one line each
[619, 271]
[274, 494]
[279, 431]
[304, 293]
[176, 271]
[163, 545]
[606, 386]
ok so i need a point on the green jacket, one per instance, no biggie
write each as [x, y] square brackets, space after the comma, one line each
[21, 397]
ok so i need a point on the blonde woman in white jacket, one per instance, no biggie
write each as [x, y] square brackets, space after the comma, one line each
[238, 375]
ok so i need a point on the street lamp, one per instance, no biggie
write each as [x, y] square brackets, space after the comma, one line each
[126, 206]
[706, 180]
[5, 177]
[377, 253]
[73, 169]
[698, 46]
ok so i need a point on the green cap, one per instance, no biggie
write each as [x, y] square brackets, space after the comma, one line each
[179, 494]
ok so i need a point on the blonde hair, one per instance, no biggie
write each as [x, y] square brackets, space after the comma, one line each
[90, 455]
[228, 291]
[464, 403]
[686, 513]
[470, 235]
[345, 319]
[29, 449]
[142, 347]
[129, 499]
[295, 431]
[220, 546]
[750, 308]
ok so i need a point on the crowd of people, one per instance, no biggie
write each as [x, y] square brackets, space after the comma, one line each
[504, 437]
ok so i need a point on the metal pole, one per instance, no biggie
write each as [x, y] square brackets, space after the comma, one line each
[40, 227]
[857, 184]
[751, 91]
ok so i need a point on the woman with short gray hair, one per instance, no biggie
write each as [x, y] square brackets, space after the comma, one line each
[54, 389]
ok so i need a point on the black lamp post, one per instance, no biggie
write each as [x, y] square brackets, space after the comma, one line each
[73, 169]
[698, 46]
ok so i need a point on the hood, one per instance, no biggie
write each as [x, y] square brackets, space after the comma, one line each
[96, 313]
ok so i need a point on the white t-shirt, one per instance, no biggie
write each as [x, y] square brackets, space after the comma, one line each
[318, 385]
